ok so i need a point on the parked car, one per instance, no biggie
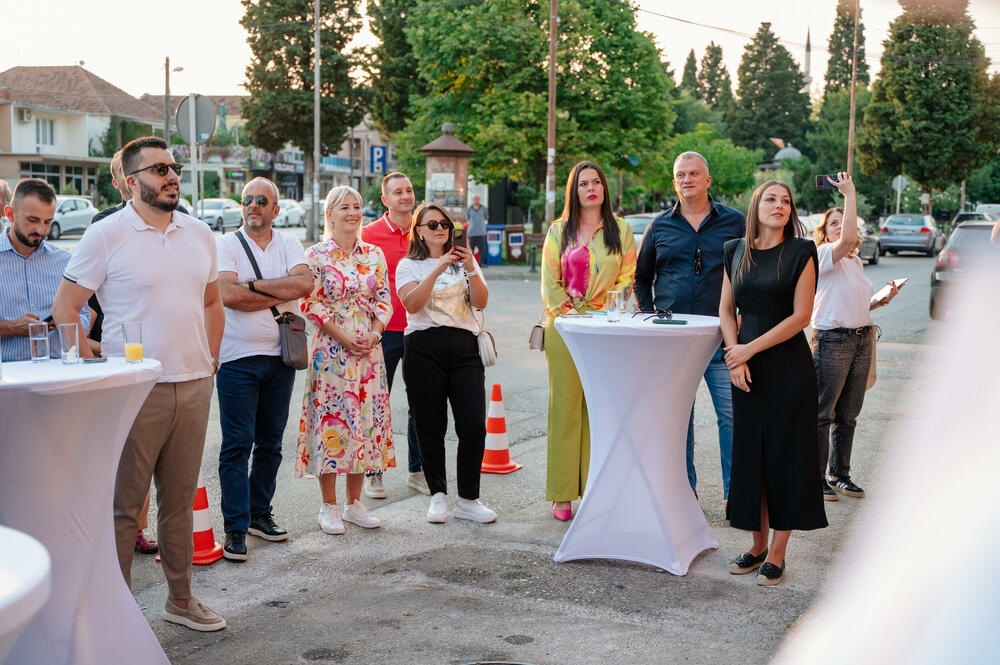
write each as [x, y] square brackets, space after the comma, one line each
[220, 214]
[871, 247]
[969, 217]
[290, 213]
[73, 215]
[639, 223]
[991, 209]
[911, 232]
[968, 246]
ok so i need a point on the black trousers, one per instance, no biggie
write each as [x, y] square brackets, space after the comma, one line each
[442, 365]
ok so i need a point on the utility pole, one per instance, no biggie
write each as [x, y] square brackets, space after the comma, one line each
[166, 100]
[854, 86]
[550, 169]
[314, 215]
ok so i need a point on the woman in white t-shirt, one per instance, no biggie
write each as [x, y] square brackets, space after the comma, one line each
[439, 285]
[842, 339]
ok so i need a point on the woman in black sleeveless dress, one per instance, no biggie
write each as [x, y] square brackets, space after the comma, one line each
[775, 484]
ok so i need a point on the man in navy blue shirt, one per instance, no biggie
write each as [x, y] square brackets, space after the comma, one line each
[680, 269]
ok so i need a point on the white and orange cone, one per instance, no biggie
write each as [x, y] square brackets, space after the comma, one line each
[206, 550]
[496, 457]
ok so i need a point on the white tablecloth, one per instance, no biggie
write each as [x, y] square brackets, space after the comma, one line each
[639, 379]
[25, 581]
[63, 429]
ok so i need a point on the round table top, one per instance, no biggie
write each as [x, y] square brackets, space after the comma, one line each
[53, 376]
[639, 324]
[25, 572]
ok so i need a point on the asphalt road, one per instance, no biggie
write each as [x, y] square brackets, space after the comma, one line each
[412, 592]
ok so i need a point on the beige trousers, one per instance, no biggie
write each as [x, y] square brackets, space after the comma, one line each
[165, 444]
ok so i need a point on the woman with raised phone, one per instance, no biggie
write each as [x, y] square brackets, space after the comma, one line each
[439, 284]
[771, 280]
[842, 338]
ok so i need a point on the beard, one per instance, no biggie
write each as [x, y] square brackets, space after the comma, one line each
[151, 196]
[25, 240]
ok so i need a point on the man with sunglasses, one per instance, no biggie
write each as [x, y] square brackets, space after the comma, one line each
[253, 384]
[151, 264]
[391, 233]
[679, 268]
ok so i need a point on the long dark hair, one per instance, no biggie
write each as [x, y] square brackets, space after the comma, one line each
[571, 210]
[793, 227]
[418, 250]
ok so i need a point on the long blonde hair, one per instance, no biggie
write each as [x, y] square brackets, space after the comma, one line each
[819, 235]
[333, 199]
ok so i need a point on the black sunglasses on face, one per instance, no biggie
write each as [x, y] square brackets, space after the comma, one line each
[433, 226]
[161, 169]
[260, 200]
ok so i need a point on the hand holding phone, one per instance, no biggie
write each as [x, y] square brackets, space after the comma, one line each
[824, 181]
[459, 237]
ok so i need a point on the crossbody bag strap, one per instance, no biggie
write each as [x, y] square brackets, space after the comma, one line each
[256, 268]
[737, 257]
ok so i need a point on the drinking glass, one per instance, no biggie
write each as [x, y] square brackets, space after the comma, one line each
[615, 304]
[132, 335]
[68, 340]
[38, 340]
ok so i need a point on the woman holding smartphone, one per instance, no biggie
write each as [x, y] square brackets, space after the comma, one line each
[439, 284]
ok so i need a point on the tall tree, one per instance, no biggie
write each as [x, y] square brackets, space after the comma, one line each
[935, 113]
[772, 101]
[841, 49]
[689, 80]
[391, 66]
[732, 167]
[715, 87]
[280, 75]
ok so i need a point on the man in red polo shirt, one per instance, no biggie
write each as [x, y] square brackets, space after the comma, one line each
[392, 234]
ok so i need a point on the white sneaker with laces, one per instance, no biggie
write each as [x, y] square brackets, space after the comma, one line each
[356, 513]
[438, 512]
[374, 489]
[471, 509]
[329, 519]
[417, 481]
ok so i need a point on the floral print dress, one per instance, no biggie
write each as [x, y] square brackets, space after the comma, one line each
[346, 424]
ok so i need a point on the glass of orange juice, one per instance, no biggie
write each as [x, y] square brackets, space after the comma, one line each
[132, 335]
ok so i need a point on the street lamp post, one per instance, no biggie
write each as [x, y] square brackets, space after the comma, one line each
[166, 98]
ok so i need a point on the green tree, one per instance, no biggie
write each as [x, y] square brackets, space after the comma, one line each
[691, 111]
[279, 109]
[391, 65]
[715, 87]
[841, 49]
[732, 167]
[934, 114]
[772, 100]
[984, 184]
[689, 80]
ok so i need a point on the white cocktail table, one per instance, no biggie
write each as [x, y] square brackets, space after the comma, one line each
[63, 430]
[25, 581]
[640, 380]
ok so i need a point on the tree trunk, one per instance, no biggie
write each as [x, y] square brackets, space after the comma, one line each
[308, 173]
[961, 201]
[926, 202]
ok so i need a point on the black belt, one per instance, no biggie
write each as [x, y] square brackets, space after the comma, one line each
[847, 331]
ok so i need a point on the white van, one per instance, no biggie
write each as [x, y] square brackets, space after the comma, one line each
[991, 209]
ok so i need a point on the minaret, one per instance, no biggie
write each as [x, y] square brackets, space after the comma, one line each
[808, 77]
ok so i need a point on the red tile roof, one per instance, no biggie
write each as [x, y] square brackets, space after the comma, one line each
[72, 89]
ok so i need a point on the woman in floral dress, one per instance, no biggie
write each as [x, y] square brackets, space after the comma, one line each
[345, 426]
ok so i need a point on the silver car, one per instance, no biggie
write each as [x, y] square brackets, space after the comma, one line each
[220, 214]
[290, 213]
[73, 215]
[911, 232]
[639, 222]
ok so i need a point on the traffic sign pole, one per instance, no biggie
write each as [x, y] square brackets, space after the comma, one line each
[192, 127]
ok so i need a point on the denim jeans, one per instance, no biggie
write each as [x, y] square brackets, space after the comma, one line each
[254, 393]
[720, 387]
[392, 351]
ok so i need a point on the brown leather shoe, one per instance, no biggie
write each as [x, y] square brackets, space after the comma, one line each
[146, 545]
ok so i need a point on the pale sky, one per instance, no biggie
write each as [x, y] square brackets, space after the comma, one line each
[126, 42]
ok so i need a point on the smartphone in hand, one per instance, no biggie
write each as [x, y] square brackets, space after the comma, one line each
[823, 181]
[459, 237]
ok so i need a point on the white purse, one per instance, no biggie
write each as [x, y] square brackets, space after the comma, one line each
[487, 345]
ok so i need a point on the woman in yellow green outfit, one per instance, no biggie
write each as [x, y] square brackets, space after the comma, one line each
[587, 252]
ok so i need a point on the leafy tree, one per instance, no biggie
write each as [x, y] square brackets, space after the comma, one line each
[689, 80]
[772, 101]
[841, 49]
[934, 114]
[691, 112]
[279, 109]
[984, 184]
[391, 65]
[715, 88]
[732, 168]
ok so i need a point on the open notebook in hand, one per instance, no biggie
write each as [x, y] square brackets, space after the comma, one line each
[887, 289]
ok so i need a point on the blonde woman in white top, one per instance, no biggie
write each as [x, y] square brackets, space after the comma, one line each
[842, 341]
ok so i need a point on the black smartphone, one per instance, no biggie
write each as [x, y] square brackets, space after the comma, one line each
[47, 319]
[95, 359]
[459, 237]
[823, 183]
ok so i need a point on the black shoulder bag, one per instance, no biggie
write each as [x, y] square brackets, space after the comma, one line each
[291, 327]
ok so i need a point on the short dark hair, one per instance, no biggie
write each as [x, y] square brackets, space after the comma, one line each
[33, 187]
[392, 176]
[131, 152]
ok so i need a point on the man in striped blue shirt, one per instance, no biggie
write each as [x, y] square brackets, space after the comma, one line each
[30, 268]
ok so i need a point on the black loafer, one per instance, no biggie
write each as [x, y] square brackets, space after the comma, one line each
[770, 574]
[847, 488]
[235, 548]
[264, 527]
[746, 563]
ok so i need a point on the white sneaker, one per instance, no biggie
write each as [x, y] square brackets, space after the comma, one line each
[374, 489]
[471, 509]
[438, 512]
[329, 519]
[418, 481]
[356, 513]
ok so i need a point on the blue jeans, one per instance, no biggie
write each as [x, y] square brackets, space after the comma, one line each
[254, 393]
[720, 387]
[392, 352]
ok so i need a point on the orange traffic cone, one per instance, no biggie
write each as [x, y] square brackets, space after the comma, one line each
[206, 550]
[496, 458]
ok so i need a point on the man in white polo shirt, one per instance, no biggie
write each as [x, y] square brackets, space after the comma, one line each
[254, 385]
[151, 264]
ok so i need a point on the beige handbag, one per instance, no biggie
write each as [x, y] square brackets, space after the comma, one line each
[536, 340]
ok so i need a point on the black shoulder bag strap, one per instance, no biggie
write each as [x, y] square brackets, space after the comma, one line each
[256, 268]
[737, 257]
